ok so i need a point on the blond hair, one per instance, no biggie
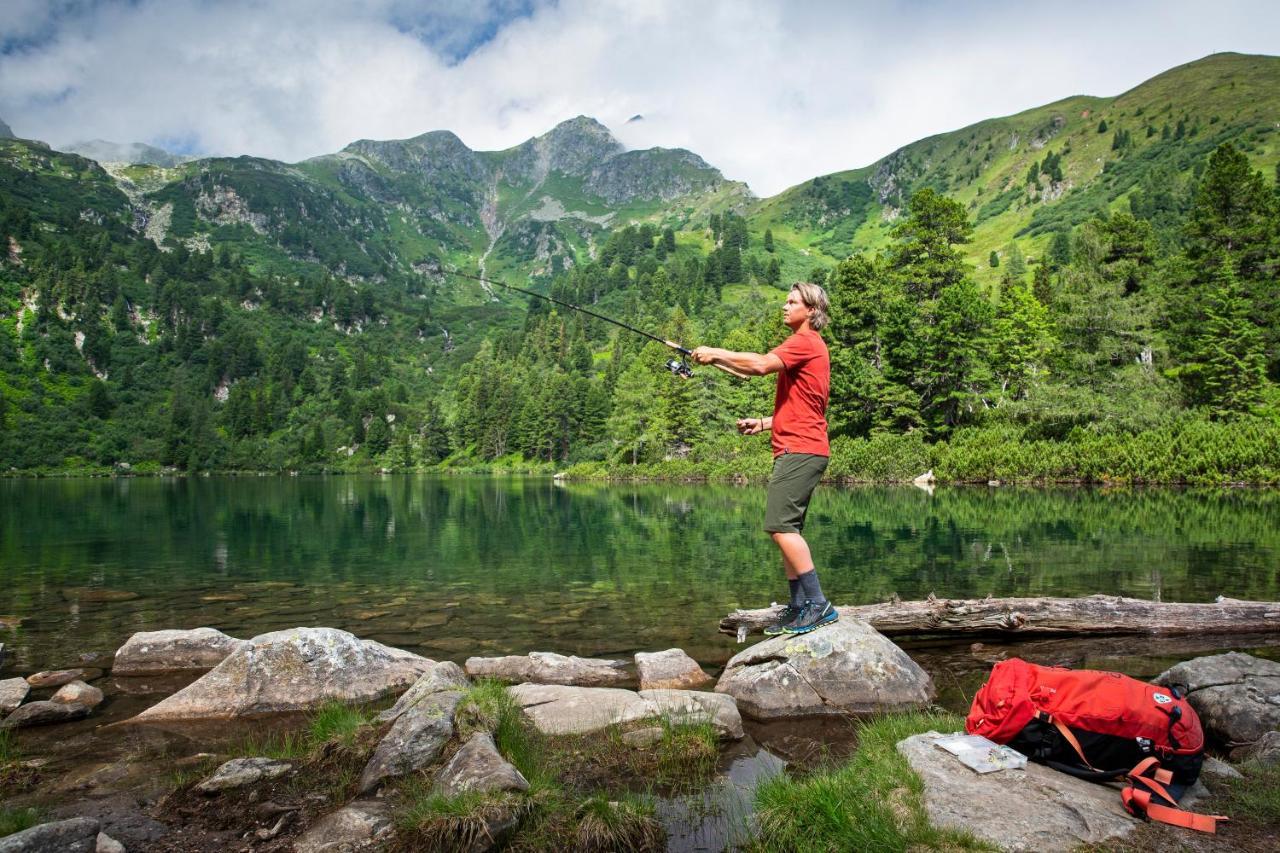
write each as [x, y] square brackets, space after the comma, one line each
[815, 299]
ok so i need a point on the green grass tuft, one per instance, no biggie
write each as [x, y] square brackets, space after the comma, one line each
[16, 820]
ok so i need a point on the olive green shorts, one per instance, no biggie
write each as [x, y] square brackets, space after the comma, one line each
[794, 477]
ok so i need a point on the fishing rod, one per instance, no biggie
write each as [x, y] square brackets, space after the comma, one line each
[678, 366]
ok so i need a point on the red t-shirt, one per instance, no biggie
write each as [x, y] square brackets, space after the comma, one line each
[800, 404]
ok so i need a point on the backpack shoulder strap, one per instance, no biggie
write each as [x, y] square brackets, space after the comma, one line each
[1140, 795]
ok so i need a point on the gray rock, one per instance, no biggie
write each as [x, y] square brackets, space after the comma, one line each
[415, 740]
[688, 706]
[77, 835]
[12, 692]
[550, 668]
[478, 766]
[294, 670]
[1236, 695]
[669, 670]
[1036, 809]
[1265, 750]
[54, 678]
[78, 693]
[360, 825]
[159, 652]
[557, 709]
[106, 844]
[845, 668]
[1221, 769]
[239, 772]
[642, 737]
[44, 714]
[444, 676]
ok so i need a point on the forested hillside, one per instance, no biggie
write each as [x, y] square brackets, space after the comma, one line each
[1094, 298]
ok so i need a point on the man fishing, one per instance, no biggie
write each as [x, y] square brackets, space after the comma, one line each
[801, 451]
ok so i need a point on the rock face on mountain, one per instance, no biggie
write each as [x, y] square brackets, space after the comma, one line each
[5, 131]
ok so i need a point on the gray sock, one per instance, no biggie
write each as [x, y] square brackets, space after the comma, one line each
[812, 589]
[797, 592]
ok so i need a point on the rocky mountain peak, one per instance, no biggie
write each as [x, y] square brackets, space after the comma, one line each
[5, 131]
[576, 146]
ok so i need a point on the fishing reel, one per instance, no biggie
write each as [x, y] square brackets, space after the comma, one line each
[680, 367]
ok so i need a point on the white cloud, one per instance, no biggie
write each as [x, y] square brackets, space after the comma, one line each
[770, 91]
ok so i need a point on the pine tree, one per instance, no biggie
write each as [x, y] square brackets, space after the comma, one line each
[994, 259]
[1102, 126]
[632, 419]
[768, 240]
[435, 435]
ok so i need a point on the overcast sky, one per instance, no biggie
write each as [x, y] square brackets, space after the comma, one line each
[771, 92]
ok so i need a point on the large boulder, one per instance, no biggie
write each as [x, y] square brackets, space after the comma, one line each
[159, 652]
[44, 714]
[12, 692]
[445, 675]
[669, 670]
[1236, 695]
[557, 709]
[361, 825]
[845, 668]
[294, 670]
[479, 767]
[415, 740]
[1036, 809]
[551, 668]
[77, 835]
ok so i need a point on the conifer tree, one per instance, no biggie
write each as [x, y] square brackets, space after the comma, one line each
[768, 240]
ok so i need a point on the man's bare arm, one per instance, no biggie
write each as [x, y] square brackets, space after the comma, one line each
[750, 363]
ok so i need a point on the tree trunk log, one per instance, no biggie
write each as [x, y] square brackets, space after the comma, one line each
[1095, 614]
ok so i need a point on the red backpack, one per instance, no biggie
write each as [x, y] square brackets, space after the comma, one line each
[1099, 726]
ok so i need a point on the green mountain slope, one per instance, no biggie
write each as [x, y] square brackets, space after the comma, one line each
[1142, 143]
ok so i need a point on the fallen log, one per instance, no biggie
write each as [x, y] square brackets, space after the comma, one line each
[1095, 614]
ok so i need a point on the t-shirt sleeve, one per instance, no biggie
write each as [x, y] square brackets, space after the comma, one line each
[795, 350]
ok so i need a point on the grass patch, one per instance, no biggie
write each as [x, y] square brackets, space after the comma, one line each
[626, 825]
[687, 752]
[472, 820]
[872, 802]
[488, 707]
[16, 820]
[12, 773]
[1256, 797]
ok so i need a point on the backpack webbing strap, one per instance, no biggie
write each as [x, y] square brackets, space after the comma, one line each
[1070, 738]
[1139, 803]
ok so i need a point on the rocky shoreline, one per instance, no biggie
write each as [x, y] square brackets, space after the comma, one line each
[433, 738]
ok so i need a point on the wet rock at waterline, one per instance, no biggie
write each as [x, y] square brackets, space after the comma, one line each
[558, 709]
[445, 675]
[361, 825]
[669, 670]
[1236, 695]
[845, 668]
[239, 772]
[12, 692]
[478, 767]
[294, 670]
[78, 693]
[44, 714]
[77, 835]
[94, 595]
[1036, 809]
[550, 668]
[55, 677]
[415, 740]
[160, 652]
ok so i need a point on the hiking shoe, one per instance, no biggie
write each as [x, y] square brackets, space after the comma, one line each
[813, 616]
[788, 615]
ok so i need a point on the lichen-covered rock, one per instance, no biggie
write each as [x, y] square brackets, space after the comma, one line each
[78, 693]
[558, 709]
[1236, 695]
[479, 767]
[239, 772]
[444, 676]
[669, 670]
[12, 692]
[692, 706]
[294, 670]
[159, 652]
[77, 835]
[415, 740]
[361, 825]
[550, 668]
[845, 668]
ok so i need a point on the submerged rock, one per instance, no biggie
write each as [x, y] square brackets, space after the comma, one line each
[669, 670]
[558, 709]
[1236, 695]
[445, 675]
[159, 652]
[479, 767]
[77, 835]
[845, 668]
[693, 706]
[239, 772]
[1036, 809]
[415, 740]
[359, 826]
[78, 693]
[294, 670]
[44, 714]
[12, 692]
[550, 668]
